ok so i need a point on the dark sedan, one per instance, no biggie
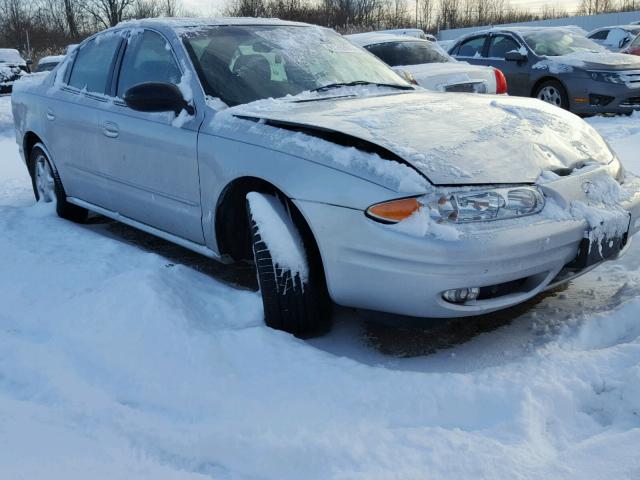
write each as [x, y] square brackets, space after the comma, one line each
[557, 65]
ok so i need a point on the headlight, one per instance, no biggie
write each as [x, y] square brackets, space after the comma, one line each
[610, 77]
[464, 206]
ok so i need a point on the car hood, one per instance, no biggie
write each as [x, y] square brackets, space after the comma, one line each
[437, 76]
[598, 61]
[452, 139]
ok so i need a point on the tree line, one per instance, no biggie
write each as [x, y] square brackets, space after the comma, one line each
[44, 27]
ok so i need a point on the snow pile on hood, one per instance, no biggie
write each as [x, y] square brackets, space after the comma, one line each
[279, 234]
[449, 138]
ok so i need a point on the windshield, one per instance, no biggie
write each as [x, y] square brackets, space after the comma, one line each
[409, 53]
[240, 64]
[559, 42]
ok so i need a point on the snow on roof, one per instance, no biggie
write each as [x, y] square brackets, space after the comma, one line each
[632, 28]
[186, 22]
[51, 59]
[526, 29]
[11, 55]
[371, 38]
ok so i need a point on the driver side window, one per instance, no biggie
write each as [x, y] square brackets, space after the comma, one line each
[148, 58]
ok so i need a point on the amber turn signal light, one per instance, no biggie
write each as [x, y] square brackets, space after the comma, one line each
[394, 211]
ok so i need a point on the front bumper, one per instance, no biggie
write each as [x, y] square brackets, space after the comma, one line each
[371, 266]
[603, 97]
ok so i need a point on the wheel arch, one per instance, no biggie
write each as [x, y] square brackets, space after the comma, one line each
[547, 78]
[231, 222]
[29, 141]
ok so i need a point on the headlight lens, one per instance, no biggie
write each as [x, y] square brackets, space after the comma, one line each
[610, 77]
[464, 206]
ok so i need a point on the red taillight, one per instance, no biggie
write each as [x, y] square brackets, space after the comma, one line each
[501, 81]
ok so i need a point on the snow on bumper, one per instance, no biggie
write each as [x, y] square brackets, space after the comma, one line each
[371, 266]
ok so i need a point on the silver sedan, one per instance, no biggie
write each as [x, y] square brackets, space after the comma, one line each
[284, 144]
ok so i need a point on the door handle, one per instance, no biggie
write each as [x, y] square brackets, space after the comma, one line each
[50, 115]
[110, 129]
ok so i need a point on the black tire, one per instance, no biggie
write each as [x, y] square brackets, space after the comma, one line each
[302, 309]
[64, 209]
[556, 91]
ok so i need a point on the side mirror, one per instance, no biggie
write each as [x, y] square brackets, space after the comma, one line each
[515, 56]
[156, 97]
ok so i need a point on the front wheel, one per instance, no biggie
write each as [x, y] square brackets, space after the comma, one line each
[554, 93]
[291, 282]
[48, 188]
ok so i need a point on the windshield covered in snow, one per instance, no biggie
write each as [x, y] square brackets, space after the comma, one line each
[244, 63]
[559, 42]
[409, 53]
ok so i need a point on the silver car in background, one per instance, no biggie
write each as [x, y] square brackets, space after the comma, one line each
[284, 144]
[429, 65]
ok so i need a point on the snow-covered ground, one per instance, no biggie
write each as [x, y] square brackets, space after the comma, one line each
[123, 357]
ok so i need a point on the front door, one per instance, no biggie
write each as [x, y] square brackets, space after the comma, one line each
[152, 157]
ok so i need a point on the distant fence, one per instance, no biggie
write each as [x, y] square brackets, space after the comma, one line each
[588, 22]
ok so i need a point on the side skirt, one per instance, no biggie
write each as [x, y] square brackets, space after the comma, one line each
[195, 247]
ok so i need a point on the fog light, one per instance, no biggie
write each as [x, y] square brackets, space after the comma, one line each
[600, 100]
[461, 295]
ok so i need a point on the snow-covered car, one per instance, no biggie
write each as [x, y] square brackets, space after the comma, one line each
[285, 144]
[411, 32]
[429, 65]
[557, 65]
[615, 38]
[12, 67]
[46, 64]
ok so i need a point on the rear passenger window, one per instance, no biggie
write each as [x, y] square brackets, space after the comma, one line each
[93, 63]
[471, 48]
[601, 35]
[500, 45]
[148, 58]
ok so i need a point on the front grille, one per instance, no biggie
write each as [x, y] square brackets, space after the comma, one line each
[631, 102]
[631, 78]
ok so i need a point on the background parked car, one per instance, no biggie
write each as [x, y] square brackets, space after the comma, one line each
[557, 65]
[615, 38]
[411, 32]
[430, 66]
[634, 47]
[12, 67]
[46, 64]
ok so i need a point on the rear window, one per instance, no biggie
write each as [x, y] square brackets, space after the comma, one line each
[409, 53]
[94, 62]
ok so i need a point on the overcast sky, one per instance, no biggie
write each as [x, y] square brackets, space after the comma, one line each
[214, 7]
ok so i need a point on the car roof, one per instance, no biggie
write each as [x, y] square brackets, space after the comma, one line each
[10, 55]
[371, 38]
[524, 30]
[51, 59]
[186, 22]
[633, 28]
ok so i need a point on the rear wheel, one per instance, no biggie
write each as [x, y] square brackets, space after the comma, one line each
[48, 188]
[291, 281]
[554, 93]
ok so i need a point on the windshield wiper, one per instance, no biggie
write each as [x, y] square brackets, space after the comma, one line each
[329, 86]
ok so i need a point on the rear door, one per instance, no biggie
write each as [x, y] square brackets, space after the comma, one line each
[517, 73]
[152, 162]
[73, 112]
